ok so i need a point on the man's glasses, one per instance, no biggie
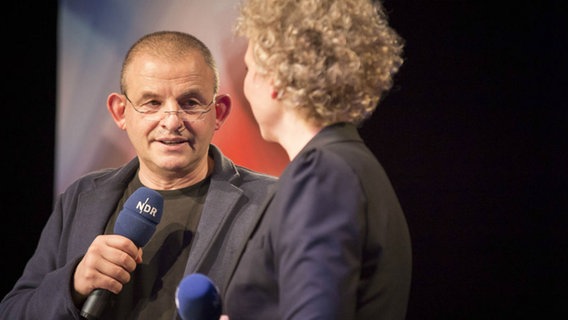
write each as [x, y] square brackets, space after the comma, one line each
[191, 109]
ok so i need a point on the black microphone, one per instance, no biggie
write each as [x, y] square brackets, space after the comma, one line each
[137, 221]
[197, 298]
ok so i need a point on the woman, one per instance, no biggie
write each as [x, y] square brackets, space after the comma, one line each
[332, 242]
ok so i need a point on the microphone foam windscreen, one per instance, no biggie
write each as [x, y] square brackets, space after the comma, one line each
[197, 298]
[141, 213]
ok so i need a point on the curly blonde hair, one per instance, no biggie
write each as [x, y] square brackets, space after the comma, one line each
[331, 59]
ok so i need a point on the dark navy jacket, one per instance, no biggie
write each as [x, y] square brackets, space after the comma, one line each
[333, 243]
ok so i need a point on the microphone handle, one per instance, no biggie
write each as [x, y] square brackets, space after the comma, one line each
[95, 304]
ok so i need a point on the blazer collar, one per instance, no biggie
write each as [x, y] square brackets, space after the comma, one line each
[338, 132]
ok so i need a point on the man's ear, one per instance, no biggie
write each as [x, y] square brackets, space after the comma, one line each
[222, 109]
[116, 105]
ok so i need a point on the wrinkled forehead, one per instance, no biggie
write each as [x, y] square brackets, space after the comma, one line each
[147, 71]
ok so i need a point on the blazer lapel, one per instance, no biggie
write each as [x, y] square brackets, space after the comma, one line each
[94, 208]
[242, 242]
[221, 199]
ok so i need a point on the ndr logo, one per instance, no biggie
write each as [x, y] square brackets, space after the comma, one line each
[146, 208]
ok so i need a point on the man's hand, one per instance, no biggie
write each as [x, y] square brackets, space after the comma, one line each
[107, 265]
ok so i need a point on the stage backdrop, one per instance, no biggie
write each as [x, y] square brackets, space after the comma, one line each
[93, 37]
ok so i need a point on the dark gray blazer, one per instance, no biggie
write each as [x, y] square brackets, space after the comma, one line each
[82, 211]
[333, 242]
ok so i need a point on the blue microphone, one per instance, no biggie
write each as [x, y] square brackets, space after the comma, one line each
[140, 215]
[197, 298]
[137, 221]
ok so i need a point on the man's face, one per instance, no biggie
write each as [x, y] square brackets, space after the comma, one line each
[169, 146]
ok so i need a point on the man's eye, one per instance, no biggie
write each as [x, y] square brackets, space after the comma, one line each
[154, 104]
[190, 104]
[151, 105]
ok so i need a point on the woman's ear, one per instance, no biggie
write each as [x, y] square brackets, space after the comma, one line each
[222, 109]
[116, 105]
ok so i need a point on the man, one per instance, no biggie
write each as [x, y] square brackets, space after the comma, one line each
[170, 107]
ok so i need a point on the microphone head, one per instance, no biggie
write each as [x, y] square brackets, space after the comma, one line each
[197, 298]
[141, 213]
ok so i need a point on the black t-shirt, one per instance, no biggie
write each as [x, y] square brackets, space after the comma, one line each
[150, 294]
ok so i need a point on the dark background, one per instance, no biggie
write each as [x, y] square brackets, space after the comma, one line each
[473, 136]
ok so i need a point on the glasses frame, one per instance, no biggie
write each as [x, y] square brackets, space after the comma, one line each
[182, 114]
